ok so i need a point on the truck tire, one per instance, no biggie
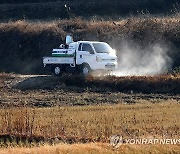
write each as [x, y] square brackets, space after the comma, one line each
[57, 71]
[85, 69]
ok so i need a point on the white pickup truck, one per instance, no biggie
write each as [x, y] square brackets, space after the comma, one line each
[82, 56]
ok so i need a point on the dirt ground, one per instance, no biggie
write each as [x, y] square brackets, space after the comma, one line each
[47, 91]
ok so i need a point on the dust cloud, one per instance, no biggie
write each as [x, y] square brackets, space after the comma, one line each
[133, 61]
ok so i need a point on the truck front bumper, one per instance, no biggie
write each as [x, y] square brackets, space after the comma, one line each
[109, 66]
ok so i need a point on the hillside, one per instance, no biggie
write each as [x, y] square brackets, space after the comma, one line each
[23, 43]
[53, 9]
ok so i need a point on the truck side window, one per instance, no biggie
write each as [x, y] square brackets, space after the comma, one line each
[87, 47]
[79, 48]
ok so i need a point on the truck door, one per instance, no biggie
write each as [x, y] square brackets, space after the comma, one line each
[86, 54]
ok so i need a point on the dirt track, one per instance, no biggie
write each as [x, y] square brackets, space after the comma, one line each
[47, 91]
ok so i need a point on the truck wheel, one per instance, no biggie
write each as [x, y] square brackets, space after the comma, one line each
[57, 70]
[85, 70]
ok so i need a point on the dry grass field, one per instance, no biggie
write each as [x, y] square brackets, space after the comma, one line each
[71, 118]
[88, 129]
[95, 148]
[93, 123]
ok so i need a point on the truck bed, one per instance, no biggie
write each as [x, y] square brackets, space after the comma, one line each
[58, 60]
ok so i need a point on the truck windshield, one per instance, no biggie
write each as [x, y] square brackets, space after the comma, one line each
[102, 47]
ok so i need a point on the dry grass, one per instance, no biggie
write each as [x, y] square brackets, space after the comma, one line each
[144, 84]
[91, 123]
[88, 148]
[24, 128]
[4, 77]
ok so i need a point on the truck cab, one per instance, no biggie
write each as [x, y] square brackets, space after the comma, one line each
[98, 55]
[82, 56]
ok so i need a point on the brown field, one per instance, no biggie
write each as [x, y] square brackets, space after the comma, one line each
[92, 123]
[96, 148]
[62, 117]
